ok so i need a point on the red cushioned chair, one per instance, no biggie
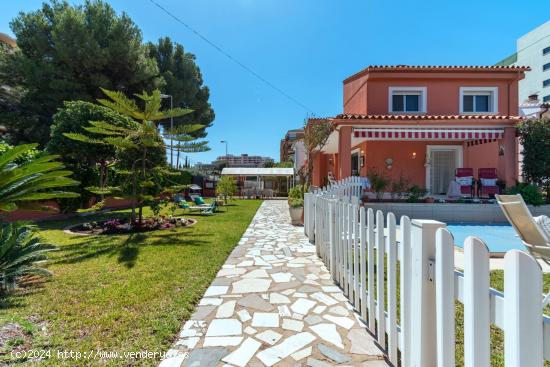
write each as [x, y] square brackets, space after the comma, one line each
[466, 172]
[489, 190]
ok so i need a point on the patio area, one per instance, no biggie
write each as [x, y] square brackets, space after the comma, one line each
[274, 303]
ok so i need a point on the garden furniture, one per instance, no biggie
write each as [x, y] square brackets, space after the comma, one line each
[534, 232]
[487, 182]
[465, 179]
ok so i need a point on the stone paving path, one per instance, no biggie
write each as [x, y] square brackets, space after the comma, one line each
[273, 303]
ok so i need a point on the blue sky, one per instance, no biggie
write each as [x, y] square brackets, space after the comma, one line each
[307, 47]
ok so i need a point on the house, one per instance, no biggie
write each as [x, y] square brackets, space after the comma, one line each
[287, 144]
[244, 160]
[423, 122]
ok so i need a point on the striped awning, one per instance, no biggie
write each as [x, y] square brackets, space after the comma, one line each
[406, 133]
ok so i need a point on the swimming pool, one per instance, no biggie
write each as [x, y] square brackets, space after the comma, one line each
[498, 237]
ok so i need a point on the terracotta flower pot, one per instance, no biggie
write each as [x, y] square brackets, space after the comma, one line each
[296, 215]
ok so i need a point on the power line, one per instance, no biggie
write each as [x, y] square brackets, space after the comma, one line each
[236, 61]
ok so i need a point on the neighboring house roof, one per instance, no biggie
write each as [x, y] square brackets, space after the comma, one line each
[245, 171]
[437, 68]
[4, 38]
[425, 117]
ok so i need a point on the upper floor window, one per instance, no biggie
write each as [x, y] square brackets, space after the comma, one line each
[546, 50]
[546, 98]
[478, 100]
[546, 66]
[407, 100]
[546, 83]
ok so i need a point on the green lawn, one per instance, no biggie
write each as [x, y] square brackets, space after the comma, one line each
[123, 292]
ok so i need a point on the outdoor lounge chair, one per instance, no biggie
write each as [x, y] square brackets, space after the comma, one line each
[198, 200]
[534, 236]
[465, 179]
[487, 182]
[210, 209]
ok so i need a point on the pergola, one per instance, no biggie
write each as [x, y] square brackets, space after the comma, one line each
[261, 174]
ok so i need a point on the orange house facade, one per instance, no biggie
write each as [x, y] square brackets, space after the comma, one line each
[421, 123]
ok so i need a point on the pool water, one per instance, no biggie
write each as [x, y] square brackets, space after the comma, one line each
[497, 237]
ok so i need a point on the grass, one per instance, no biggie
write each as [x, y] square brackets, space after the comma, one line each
[497, 335]
[123, 292]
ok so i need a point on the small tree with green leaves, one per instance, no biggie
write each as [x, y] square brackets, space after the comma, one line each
[316, 134]
[534, 136]
[140, 138]
[226, 187]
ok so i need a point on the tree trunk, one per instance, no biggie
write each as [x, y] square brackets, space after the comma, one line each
[143, 168]
[178, 159]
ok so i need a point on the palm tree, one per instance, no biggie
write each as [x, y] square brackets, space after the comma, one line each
[21, 252]
[185, 141]
[38, 179]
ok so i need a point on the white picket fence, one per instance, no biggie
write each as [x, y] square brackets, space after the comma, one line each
[367, 252]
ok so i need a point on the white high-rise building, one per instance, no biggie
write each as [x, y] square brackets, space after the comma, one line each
[533, 49]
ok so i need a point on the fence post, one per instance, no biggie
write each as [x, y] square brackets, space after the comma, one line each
[423, 324]
[405, 287]
[332, 235]
[523, 329]
[477, 312]
[445, 294]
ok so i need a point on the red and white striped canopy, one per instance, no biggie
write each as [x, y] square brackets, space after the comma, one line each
[427, 134]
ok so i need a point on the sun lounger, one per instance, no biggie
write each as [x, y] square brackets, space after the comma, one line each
[534, 236]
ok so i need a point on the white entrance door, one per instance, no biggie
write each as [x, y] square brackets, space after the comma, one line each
[443, 162]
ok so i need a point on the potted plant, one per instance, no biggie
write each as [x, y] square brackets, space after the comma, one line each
[415, 193]
[378, 183]
[296, 204]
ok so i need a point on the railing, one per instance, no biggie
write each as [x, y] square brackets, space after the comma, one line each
[382, 266]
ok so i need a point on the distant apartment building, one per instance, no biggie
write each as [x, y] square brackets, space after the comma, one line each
[244, 160]
[287, 150]
[533, 50]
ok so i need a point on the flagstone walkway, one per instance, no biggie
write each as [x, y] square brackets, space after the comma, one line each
[273, 303]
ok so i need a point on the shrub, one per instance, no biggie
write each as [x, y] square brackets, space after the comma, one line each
[531, 193]
[226, 187]
[297, 192]
[378, 182]
[415, 193]
[534, 136]
[21, 250]
[399, 187]
[296, 202]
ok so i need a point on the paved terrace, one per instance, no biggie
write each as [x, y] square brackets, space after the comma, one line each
[274, 303]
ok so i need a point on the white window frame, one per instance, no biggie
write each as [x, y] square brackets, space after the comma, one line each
[422, 103]
[493, 99]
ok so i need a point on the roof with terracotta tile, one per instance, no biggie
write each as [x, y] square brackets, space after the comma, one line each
[439, 68]
[425, 117]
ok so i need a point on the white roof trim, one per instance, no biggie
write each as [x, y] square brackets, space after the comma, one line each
[247, 171]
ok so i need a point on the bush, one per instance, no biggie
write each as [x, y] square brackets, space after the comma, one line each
[226, 187]
[378, 182]
[21, 254]
[531, 193]
[296, 202]
[297, 192]
[415, 193]
[399, 187]
[534, 136]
